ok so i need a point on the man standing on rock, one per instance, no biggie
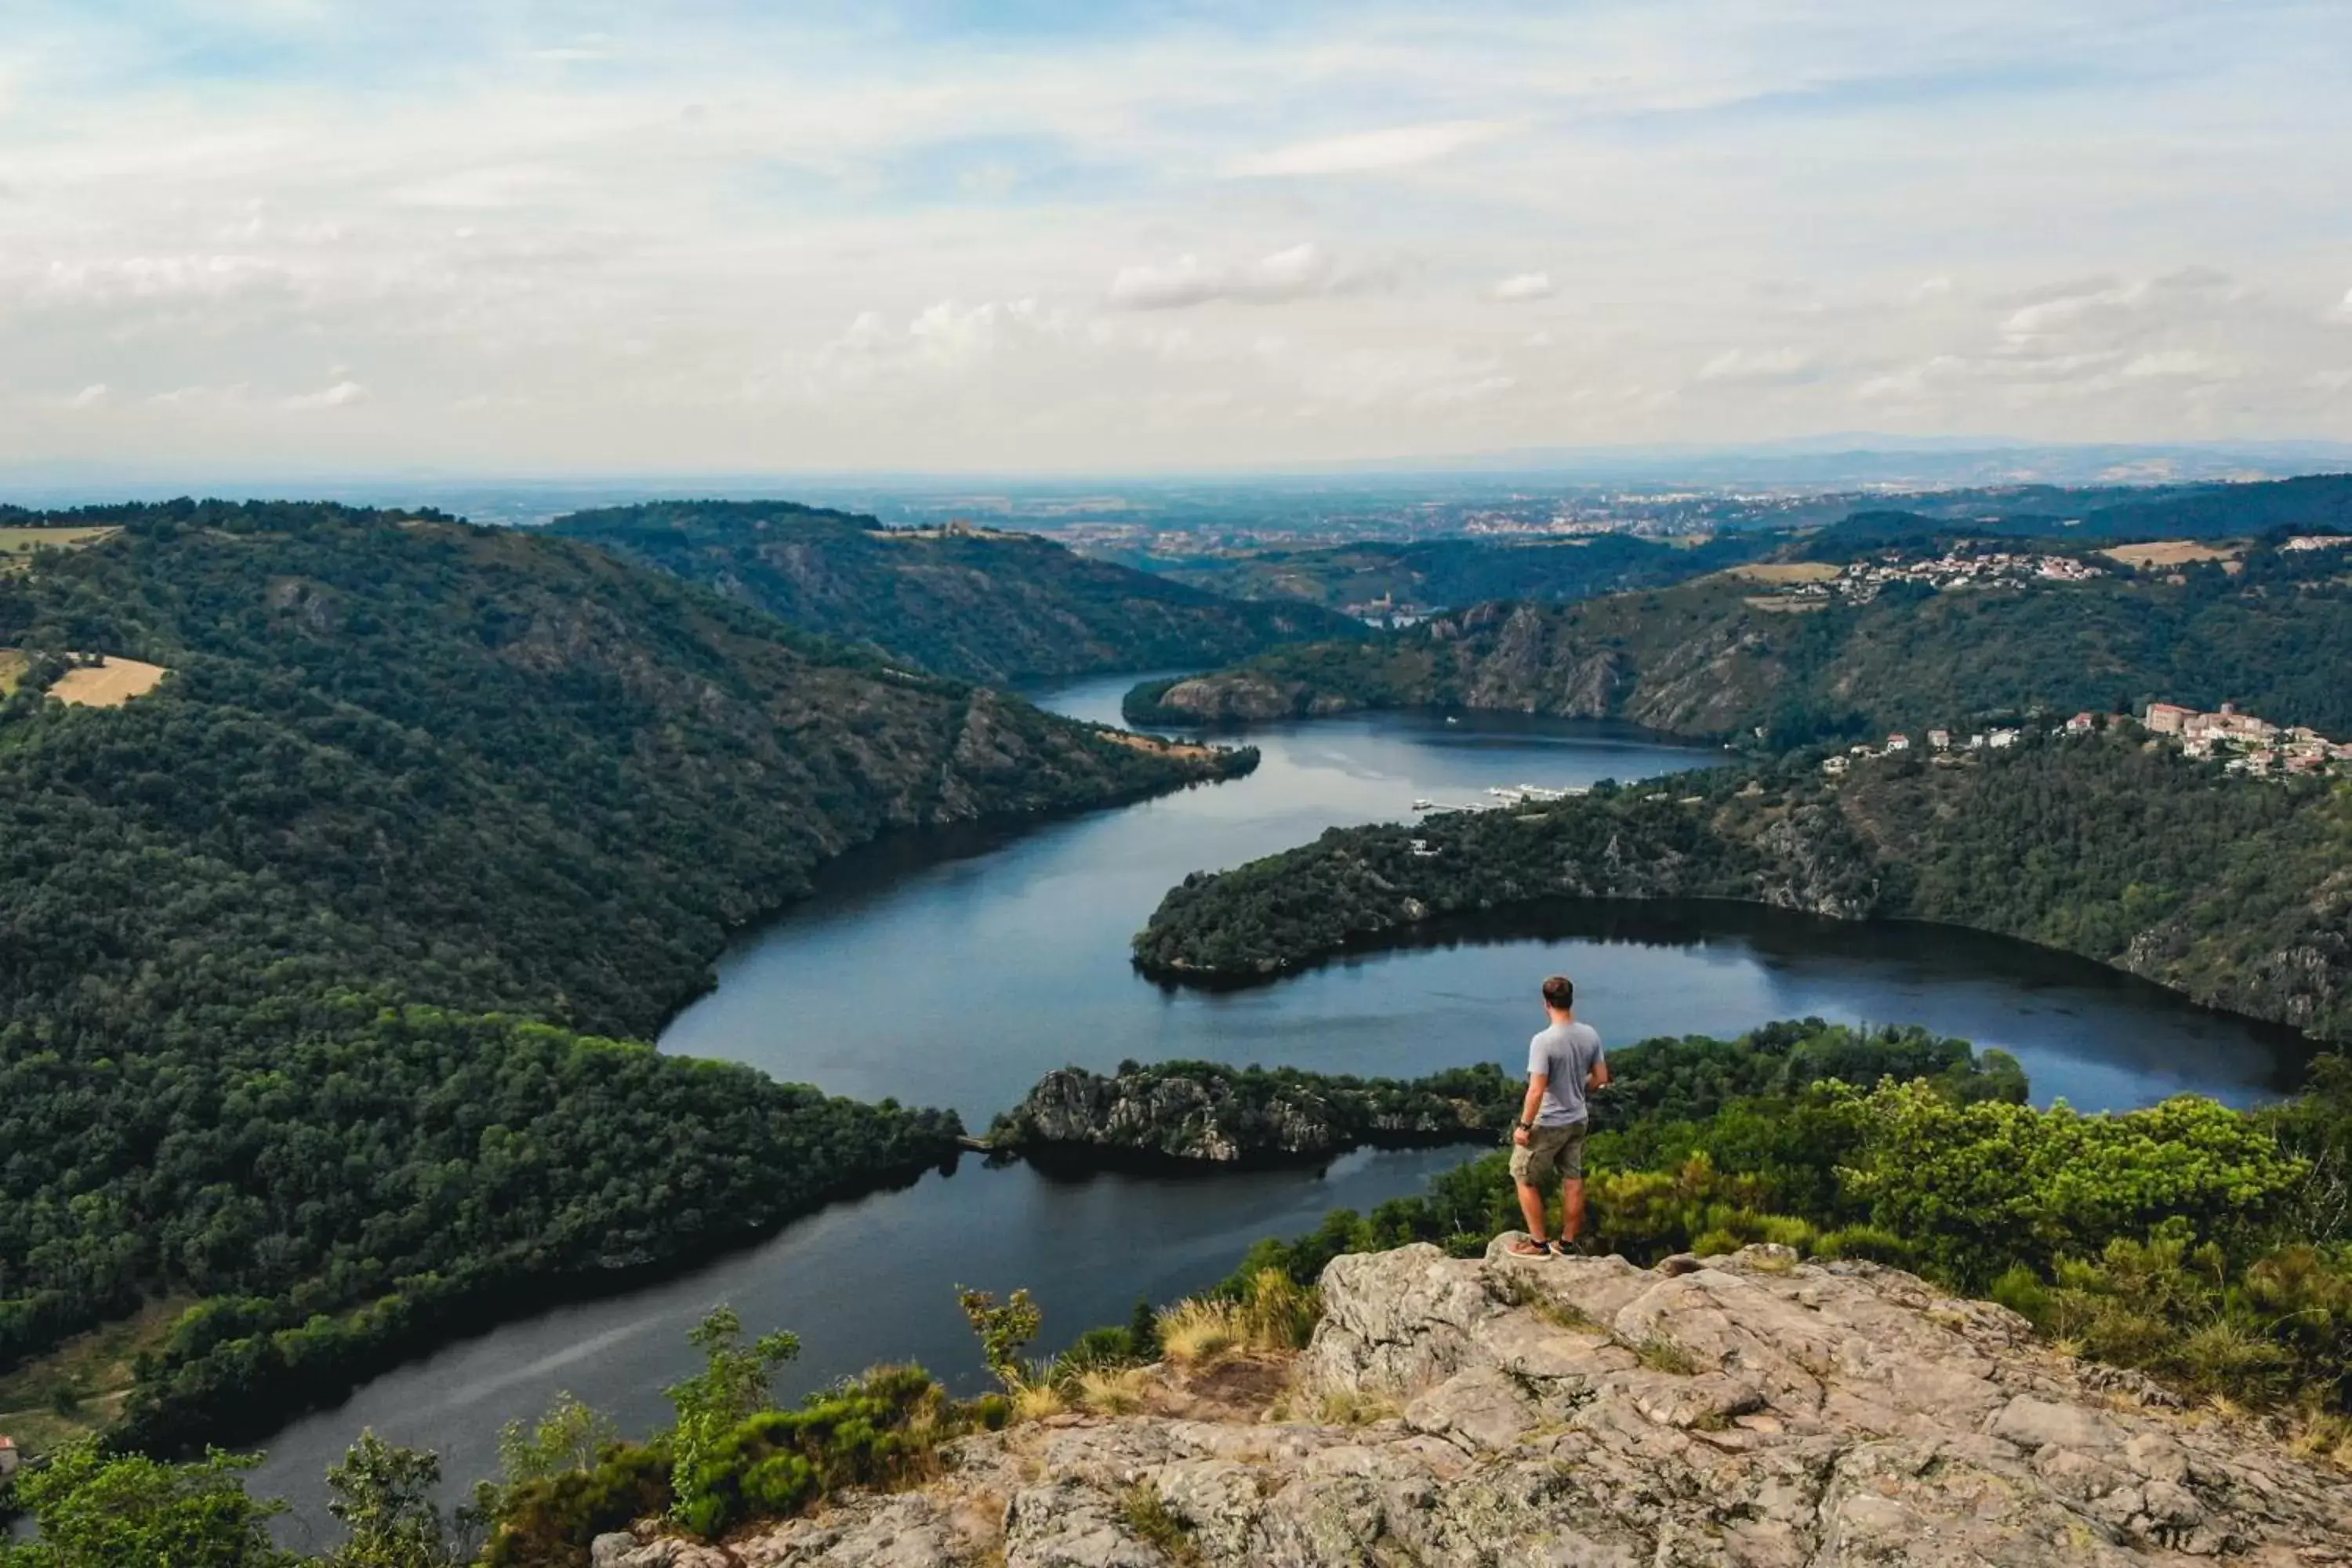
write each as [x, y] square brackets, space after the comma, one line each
[1564, 1063]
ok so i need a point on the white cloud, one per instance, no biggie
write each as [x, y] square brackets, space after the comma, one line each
[1479, 391]
[1300, 272]
[1521, 286]
[1759, 367]
[1398, 147]
[341, 395]
[2179, 364]
[91, 397]
[155, 277]
[788, 276]
[951, 336]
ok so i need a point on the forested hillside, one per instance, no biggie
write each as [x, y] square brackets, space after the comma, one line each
[293, 949]
[1451, 572]
[2235, 891]
[1734, 653]
[976, 605]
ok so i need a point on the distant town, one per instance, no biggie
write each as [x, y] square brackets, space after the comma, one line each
[2252, 746]
[1862, 581]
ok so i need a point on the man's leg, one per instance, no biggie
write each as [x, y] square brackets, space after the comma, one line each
[1531, 1206]
[1570, 1161]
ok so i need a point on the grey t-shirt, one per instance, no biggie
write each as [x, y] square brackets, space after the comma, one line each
[1564, 1054]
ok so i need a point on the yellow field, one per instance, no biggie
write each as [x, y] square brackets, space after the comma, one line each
[2172, 552]
[12, 670]
[24, 541]
[110, 683]
[1784, 573]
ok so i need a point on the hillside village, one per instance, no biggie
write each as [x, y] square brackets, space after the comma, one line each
[1860, 582]
[2252, 746]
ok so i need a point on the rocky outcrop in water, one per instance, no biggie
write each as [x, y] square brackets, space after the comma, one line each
[1201, 1111]
[1749, 1410]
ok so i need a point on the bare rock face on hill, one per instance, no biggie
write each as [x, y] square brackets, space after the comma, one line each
[1748, 1410]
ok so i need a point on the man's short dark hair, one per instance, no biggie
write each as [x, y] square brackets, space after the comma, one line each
[1559, 992]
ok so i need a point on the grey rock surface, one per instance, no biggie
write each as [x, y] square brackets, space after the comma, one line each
[1749, 1410]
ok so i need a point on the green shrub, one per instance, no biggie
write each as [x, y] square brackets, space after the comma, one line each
[1103, 1349]
[1278, 1312]
[1868, 1243]
[1984, 1185]
[878, 1431]
[2021, 1290]
[548, 1520]
[1004, 1330]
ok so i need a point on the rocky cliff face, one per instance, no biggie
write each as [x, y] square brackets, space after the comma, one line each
[1745, 1410]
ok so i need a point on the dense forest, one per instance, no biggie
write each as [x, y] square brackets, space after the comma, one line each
[1731, 657]
[2234, 891]
[976, 604]
[306, 957]
[1203, 1111]
[1444, 573]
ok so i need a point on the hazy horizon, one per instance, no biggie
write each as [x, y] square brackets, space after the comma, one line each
[927, 238]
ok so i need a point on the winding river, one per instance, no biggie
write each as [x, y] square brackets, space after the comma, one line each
[955, 969]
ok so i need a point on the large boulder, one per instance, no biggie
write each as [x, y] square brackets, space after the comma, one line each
[1750, 1410]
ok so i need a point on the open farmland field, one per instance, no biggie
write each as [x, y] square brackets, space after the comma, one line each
[25, 541]
[1784, 573]
[2172, 552]
[110, 683]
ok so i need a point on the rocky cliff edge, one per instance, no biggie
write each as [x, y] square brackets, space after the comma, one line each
[1741, 1410]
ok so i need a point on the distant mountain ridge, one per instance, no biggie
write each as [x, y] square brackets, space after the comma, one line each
[1734, 653]
[1447, 573]
[2316, 503]
[973, 604]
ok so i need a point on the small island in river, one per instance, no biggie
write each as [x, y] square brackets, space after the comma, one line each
[1205, 1112]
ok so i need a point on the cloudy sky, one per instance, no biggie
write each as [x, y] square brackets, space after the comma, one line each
[776, 235]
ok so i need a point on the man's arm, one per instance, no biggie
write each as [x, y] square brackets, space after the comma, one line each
[1531, 1106]
[1599, 1076]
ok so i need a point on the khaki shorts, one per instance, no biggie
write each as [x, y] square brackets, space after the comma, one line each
[1550, 1153]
